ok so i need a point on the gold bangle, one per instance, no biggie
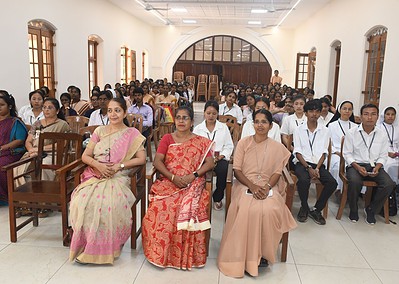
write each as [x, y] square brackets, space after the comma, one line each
[173, 177]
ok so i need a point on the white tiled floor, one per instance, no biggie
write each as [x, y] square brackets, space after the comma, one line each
[339, 252]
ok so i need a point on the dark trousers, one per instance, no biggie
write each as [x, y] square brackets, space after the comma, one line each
[303, 184]
[221, 177]
[355, 184]
[146, 132]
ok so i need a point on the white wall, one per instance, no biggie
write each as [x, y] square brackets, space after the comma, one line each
[349, 21]
[74, 20]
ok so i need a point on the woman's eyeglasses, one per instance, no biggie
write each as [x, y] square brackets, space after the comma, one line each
[184, 117]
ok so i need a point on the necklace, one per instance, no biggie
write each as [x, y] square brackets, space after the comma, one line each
[259, 168]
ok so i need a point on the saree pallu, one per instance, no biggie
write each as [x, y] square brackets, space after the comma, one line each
[100, 210]
[176, 219]
[8, 156]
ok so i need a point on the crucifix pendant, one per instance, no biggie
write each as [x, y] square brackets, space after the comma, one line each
[259, 177]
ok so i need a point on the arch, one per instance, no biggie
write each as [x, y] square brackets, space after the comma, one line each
[335, 58]
[95, 37]
[335, 43]
[42, 24]
[376, 30]
[197, 34]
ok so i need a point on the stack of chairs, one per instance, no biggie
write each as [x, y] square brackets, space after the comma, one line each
[178, 76]
[213, 90]
[202, 90]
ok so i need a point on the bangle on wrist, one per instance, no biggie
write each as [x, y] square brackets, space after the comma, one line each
[173, 177]
[269, 185]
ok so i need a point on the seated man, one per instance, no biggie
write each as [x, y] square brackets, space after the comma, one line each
[310, 149]
[143, 109]
[365, 151]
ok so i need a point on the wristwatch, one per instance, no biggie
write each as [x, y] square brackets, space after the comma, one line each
[122, 166]
[196, 174]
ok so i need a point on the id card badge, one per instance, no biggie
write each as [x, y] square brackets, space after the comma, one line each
[372, 164]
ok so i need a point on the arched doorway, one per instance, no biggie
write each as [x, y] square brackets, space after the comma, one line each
[233, 59]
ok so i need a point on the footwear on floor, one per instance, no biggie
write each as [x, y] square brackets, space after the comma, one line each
[42, 214]
[317, 217]
[302, 215]
[263, 262]
[353, 217]
[218, 205]
[370, 216]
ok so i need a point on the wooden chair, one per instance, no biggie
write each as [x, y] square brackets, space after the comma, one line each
[154, 174]
[44, 194]
[136, 121]
[368, 184]
[213, 89]
[233, 126]
[88, 129]
[202, 90]
[191, 80]
[289, 197]
[77, 122]
[178, 76]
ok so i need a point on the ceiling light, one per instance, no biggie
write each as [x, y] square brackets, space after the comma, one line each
[259, 11]
[189, 21]
[286, 15]
[179, 10]
[254, 22]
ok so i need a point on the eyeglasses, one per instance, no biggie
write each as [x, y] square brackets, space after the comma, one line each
[103, 99]
[48, 107]
[184, 117]
[262, 122]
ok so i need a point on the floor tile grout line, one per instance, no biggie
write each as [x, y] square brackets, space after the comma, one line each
[56, 271]
[296, 266]
[138, 272]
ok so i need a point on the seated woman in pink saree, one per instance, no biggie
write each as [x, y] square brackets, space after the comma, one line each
[176, 219]
[100, 210]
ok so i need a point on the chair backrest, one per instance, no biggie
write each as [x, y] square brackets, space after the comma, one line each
[341, 157]
[88, 129]
[136, 121]
[63, 148]
[190, 80]
[178, 76]
[213, 89]
[77, 122]
[233, 126]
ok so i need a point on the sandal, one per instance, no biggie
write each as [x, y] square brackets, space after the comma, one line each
[263, 263]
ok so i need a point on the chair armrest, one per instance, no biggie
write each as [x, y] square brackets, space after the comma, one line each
[18, 163]
[77, 163]
[133, 171]
[151, 173]
[343, 177]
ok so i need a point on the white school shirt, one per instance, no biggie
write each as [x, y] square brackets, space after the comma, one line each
[338, 129]
[311, 145]
[355, 149]
[326, 120]
[248, 130]
[27, 115]
[96, 118]
[234, 111]
[392, 135]
[221, 136]
[291, 122]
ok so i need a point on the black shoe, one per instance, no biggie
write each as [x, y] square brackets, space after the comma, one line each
[302, 215]
[353, 217]
[370, 217]
[263, 263]
[317, 217]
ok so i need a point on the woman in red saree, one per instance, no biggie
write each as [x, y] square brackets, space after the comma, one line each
[176, 219]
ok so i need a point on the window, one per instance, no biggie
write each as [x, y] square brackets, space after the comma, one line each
[375, 63]
[41, 54]
[124, 63]
[305, 70]
[222, 49]
[133, 65]
[92, 55]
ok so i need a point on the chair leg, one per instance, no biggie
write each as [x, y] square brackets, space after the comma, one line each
[284, 247]
[319, 189]
[343, 201]
[228, 198]
[13, 222]
[64, 213]
[35, 214]
[133, 242]
[149, 150]
[386, 211]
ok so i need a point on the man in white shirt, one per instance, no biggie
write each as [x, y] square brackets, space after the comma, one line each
[365, 151]
[100, 116]
[311, 142]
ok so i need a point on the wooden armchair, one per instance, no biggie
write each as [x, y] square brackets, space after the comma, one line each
[44, 194]
[289, 197]
[233, 126]
[368, 184]
[77, 122]
[136, 121]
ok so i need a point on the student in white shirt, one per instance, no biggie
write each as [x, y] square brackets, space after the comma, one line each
[311, 142]
[250, 107]
[216, 131]
[230, 108]
[33, 112]
[248, 127]
[389, 123]
[339, 125]
[365, 152]
[100, 116]
[325, 115]
[291, 122]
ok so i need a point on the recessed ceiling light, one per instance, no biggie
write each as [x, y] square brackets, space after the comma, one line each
[254, 22]
[179, 10]
[189, 21]
[258, 11]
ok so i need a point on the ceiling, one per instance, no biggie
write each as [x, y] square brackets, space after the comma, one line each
[222, 12]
